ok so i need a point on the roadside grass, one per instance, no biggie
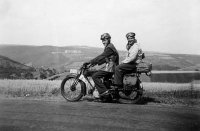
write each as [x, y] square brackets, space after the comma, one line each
[168, 93]
[29, 88]
[172, 93]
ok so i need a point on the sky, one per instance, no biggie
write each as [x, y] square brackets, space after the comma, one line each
[170, 26]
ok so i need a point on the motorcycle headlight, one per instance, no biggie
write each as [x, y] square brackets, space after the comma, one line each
[74, 71]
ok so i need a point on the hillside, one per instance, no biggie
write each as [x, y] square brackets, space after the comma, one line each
[164, 61]
[64, 58]
[49, 56]
[6, 62]
[11, 69]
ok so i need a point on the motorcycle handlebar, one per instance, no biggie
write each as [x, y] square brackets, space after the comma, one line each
[86, 66]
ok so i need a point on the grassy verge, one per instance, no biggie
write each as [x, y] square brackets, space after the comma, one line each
[172, 93]
[29, 88]
[169, 93]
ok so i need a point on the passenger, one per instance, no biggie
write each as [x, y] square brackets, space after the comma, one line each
[133, 57]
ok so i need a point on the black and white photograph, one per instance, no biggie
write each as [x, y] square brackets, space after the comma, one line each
[99, 65]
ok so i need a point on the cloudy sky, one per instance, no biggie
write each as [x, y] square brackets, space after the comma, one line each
[171, 26]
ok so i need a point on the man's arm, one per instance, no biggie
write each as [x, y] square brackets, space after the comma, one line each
[101, 58]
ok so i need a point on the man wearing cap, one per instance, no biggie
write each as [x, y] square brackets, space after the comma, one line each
[110, 56]
[133, 57]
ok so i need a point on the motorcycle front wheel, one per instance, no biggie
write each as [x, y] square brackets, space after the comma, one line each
[72, 88]
[131, 96]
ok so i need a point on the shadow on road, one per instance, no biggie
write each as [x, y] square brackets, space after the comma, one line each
[146, 100]
[143, 101]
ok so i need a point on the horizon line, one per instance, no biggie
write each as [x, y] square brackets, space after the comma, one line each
[159, 52]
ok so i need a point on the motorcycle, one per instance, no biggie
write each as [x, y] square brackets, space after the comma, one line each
[73, 86]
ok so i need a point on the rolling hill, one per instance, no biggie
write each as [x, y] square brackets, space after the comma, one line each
[10, 68]
[63, 58]
[6, 62]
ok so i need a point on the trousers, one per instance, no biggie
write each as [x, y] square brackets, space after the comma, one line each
[97, 78]
[121, 70]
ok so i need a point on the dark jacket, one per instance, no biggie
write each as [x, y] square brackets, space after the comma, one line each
[110, 56]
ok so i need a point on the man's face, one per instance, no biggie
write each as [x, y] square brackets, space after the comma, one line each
[105, 42]
[130, 43]
[131, 40]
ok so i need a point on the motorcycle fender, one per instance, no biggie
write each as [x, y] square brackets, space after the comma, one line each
[81, 80]
[83, 87]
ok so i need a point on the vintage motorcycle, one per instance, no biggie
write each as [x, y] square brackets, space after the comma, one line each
[73, 86]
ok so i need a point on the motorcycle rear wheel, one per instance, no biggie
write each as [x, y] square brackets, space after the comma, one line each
[72, 88]
[132, 96]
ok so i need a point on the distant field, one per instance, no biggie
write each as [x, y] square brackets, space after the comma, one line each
[163, 92]
[174, 76]
[156, 86]
[173, 72]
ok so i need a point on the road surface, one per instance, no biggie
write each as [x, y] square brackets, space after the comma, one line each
[38, 115]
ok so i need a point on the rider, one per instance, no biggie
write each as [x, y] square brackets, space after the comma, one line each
[133, 57]
[110, 56]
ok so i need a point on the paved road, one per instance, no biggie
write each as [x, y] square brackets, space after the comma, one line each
[34, 115]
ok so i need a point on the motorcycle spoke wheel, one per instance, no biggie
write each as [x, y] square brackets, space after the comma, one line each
[129, 97]
[71, 89]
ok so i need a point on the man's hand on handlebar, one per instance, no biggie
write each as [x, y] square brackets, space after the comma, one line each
[86, 63]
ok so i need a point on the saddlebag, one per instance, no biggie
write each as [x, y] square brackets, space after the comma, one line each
[144, 67]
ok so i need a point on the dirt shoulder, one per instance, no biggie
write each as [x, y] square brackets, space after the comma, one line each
[144, 101]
